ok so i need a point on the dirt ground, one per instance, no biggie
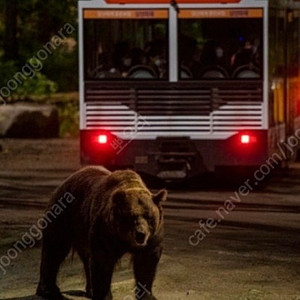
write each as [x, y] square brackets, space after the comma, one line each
[253, 254]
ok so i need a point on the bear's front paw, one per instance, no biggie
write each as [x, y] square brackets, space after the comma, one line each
[88, 293]
[107, 297]
[49, 293]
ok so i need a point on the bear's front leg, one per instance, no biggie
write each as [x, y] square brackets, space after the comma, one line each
[101, 267]
[54, 250]
[145, 263]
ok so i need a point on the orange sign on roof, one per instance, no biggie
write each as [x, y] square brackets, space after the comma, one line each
[168, 1]
[220, 13]
[125, 14]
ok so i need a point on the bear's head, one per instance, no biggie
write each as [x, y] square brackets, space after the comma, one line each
[137, 214]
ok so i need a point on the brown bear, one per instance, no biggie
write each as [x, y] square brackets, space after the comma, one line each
[111, 213]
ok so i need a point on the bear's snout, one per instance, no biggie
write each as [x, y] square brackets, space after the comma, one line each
[140, 238]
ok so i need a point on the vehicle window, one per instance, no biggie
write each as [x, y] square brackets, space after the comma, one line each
[293, 43]
[126, 44]
[220, 43]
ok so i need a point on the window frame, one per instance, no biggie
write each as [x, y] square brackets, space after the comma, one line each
[125, 79]
[253, 10]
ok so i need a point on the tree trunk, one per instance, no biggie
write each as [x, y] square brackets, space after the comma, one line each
[10, 36]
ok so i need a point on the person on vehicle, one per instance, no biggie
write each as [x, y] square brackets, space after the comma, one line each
[138, 57]
[212, 54]
[212, 61]
[243, 56]
[122, 58]
[188, 56]
[156, 57]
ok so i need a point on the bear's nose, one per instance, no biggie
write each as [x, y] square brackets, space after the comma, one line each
[140, 237]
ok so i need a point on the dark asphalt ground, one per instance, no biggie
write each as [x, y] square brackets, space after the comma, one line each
[250, 254]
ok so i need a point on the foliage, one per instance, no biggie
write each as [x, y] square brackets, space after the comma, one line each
[62, 67]
[37, 22]
[68, 119]
[7, 70]
[36, 85]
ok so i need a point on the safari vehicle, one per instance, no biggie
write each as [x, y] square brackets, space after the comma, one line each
[172, 89]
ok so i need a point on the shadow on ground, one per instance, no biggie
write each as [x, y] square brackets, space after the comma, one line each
[71, 293]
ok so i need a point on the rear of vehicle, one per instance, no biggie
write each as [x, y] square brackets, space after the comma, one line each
[173, 93]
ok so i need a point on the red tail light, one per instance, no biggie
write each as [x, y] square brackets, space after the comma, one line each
[248, 139]
[102, 139]
[245, 139]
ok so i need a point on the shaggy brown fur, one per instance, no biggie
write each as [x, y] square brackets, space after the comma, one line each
[111, 214]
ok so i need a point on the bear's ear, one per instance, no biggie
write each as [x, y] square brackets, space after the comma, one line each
[118, 198]
[160, 196]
